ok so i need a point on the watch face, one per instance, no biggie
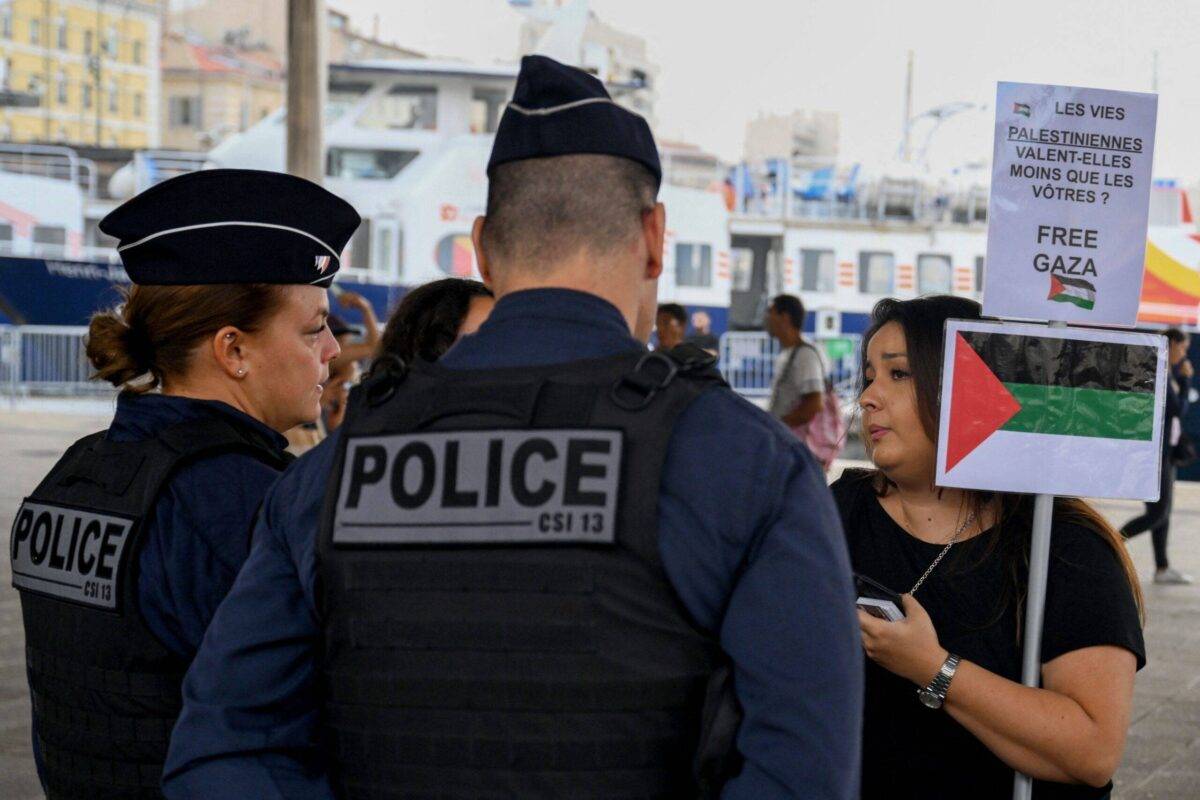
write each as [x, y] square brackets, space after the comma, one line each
[929, 699]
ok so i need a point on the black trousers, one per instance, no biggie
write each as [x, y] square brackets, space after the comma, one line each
[1157, 518]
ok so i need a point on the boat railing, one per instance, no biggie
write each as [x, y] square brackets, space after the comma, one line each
[49, 161]
[774, 191]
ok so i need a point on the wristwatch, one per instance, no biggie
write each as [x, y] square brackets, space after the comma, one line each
[933, 695]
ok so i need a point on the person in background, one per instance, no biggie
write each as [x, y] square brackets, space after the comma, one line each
[220, 346]
[432, 317]
[798, 385]
[424, 325]
[670, 323]
[946, 713]
[479, 648]
[366, 348]
[702, 335]
[1157, 517]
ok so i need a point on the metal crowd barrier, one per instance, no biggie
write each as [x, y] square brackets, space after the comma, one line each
[46, 361]
[748, 362]
[50, 361]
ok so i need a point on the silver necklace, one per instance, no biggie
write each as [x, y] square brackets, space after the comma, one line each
[970, 518]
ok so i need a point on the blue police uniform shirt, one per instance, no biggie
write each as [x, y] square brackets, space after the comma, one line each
[749, 536]
[199, 533]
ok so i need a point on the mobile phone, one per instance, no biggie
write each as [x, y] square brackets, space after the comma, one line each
[877, 600]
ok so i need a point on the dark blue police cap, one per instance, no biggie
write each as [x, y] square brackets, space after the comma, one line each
[558, 110]
[232, 226]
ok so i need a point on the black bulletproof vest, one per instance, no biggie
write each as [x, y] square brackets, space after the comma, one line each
[497, 620]
[105, 691]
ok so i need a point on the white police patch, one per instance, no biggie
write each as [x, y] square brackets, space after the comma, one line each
[70, 554]
[480, 487]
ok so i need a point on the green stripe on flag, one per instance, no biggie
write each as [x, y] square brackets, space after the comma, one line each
[1098, 413]
[1082, 302]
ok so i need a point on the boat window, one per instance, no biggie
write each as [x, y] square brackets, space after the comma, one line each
[344, 162]
[49, 238]
[979, 262]
[456, 255]
[6, 235]
[818, 271]
[693, 264]
[742, 274]
[360, 247]
[383, 250]
[933, 274]
[876, 272]
[486, 108]
[403, 108]
[342, 95]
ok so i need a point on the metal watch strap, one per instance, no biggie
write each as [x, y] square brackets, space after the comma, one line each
[941, 682]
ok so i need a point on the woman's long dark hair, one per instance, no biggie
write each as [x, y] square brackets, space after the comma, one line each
[425, 323]
[923, 321]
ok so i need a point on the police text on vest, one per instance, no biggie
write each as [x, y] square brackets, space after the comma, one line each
[480, 487]
[70, 554]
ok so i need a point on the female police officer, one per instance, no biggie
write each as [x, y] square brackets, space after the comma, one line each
[125, 549]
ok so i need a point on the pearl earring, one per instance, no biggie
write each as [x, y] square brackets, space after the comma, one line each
[241, 371]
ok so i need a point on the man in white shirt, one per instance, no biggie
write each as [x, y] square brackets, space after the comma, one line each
[798, 386]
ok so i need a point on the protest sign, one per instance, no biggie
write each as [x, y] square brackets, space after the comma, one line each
[1057, 411]
[1069, 203]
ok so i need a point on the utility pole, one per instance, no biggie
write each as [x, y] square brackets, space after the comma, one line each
[306, 82]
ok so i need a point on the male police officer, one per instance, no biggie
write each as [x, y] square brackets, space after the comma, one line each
[475, 590]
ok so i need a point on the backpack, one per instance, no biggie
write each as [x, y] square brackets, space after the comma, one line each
[825, 433]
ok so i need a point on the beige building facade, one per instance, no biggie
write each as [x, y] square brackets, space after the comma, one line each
[809, 138]
[211, 92]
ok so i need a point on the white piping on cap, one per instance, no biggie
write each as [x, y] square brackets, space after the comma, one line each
[542, 112]
[332, 252]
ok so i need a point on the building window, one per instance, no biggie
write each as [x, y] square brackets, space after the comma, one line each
[88, 39]
[137, 106]
[403, 108]
[876, 272]
[87, 95]
[62, 34]
[35, 31]
[693, 264]
[6, 23]
[6, 235]
[934, 274]
[137, 51]
[110, 42]
[342, 162]
[184, 112]
[486, 108]
[818, 271]
[114, 99]
[62, 89]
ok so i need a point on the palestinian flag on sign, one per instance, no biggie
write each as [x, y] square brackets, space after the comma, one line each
[1048, 387]
[1072, 290]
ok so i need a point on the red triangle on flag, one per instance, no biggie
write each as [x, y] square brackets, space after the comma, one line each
[1056, 287]
[979, 403]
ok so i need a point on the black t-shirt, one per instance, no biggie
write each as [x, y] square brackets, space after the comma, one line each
[910, 751]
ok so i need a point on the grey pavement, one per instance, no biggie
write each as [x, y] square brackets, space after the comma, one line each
[1162, 756]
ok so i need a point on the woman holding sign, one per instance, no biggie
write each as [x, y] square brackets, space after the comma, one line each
[946, 714]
